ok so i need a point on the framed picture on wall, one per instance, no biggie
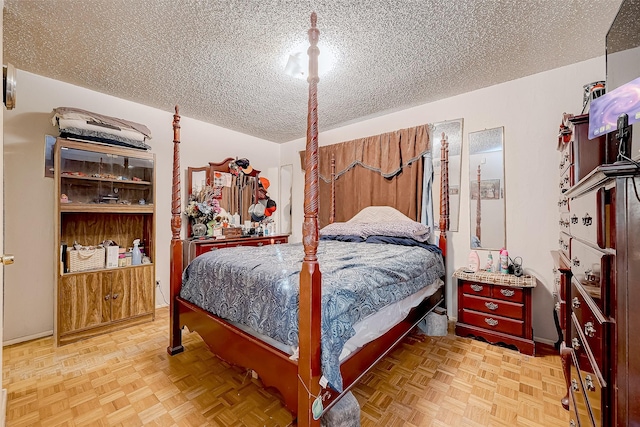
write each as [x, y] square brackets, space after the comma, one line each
[489, 189]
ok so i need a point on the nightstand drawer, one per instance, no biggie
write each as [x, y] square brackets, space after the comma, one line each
[494, 306]
[508, 293]
[476, 289]
[493, 322]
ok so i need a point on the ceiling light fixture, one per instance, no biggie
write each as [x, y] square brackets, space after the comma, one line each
[297, 63]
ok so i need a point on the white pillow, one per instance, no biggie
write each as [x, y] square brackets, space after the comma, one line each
[379, 214]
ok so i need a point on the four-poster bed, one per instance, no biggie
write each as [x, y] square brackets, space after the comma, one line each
[298, 381]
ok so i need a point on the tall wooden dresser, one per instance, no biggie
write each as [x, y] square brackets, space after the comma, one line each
[598, 291]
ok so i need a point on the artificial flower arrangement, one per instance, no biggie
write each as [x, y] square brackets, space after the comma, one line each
[202, 206]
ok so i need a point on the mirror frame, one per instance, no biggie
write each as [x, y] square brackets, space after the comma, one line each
[486, 142]
[453, 130]
[285, 181]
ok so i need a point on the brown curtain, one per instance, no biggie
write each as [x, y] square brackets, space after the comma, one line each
[381, 170]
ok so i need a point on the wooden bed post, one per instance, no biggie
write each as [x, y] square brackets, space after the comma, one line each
[444, 194]
[332, 217]
[175, 278]
[310, 276]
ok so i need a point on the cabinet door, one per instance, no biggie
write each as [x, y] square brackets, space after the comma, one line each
[142, 294]
[81, 301]
[132, 292]
[119, 294]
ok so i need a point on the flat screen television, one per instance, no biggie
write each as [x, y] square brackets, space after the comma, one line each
[623, 57]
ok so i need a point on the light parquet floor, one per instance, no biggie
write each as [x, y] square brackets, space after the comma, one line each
[126, 378]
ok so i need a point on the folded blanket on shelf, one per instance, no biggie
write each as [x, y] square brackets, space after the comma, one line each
[80, 124]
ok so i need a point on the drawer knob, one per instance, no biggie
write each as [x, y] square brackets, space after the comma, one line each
[589, 383]
[575, 261]
[558, 306]
[575, 302]
[477, 288]
[115, 296]
[589, 330]
[574, 219]
[490, 321]
[491, 305]
[574, 384]
[587, 220]
[507, 292]
[572, 423]
[107, 297]
[575, 343]
[557, 281]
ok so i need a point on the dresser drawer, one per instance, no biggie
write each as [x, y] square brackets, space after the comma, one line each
[594, 327]
[573, 414]
[563, 203]
[476, 288]
[594, 388]
[565, 222]
[493, 322]
[588, 218]
[565, 182]
[582, 410]
[593, 269]
[565, 158]
[564, 244]
[494, 306]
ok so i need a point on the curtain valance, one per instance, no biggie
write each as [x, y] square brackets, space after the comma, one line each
[385, 154]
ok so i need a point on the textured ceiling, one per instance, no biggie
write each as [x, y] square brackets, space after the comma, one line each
[223, 61]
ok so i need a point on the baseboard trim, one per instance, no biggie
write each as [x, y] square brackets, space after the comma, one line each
[27, 338]
[544, 341]
[3, 408]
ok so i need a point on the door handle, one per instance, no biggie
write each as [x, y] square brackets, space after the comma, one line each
[7, 259]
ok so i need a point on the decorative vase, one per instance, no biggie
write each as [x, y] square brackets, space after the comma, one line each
[198, 229]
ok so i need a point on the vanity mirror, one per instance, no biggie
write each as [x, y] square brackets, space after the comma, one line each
[486, 175]
[237, 191]
[453, 130]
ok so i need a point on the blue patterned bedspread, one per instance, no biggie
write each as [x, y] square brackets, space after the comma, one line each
[258, 287]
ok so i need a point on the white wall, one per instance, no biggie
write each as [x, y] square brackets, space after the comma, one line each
[530, 109]
[29, 199]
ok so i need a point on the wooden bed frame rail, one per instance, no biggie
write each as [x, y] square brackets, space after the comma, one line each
[297, 381]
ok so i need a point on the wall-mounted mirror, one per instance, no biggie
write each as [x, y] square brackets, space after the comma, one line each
[286, 182]
[486, 175]
[237, 192]
[453, 130]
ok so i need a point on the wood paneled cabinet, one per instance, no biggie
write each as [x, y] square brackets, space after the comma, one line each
[102, 193]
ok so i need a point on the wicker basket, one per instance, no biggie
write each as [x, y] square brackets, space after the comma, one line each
[86, 258]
